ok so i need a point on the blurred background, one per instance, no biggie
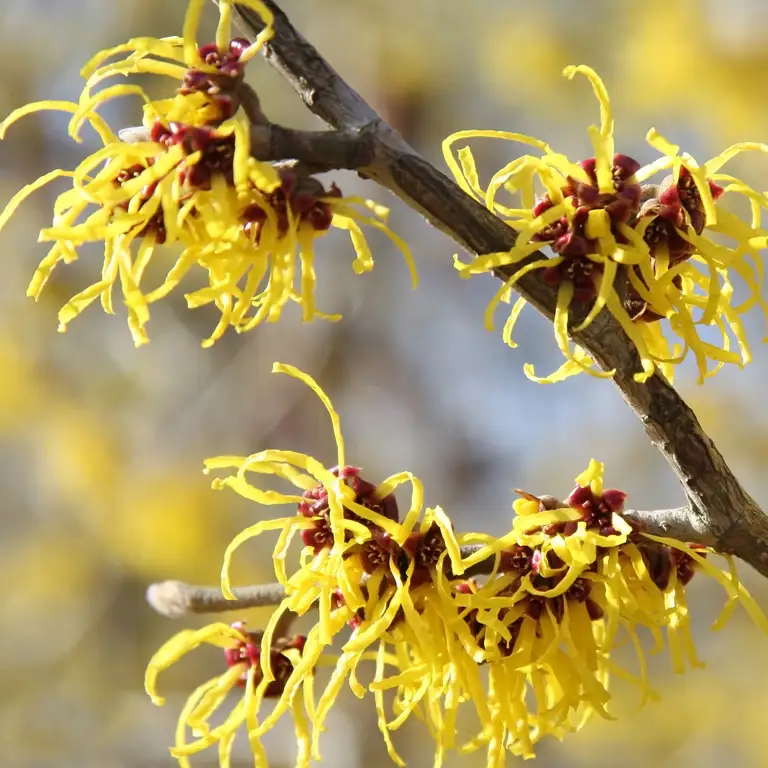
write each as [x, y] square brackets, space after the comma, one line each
[102, 444]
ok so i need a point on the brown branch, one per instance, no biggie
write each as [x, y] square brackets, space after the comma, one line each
[175, 599]
[679, 523]
[317, 151]
[321, 150]
[720, 513]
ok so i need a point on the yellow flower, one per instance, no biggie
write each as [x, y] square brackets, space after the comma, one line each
[204, 95]
[639, 252]
[338, 511]
[242, 652]
[272, 232]
[192, 183]
[346, 524]
[569, 580]
[361, 565]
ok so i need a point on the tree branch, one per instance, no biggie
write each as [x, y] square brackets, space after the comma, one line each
[318, 151]
[679, 523]
[721, 513]
[176, 599]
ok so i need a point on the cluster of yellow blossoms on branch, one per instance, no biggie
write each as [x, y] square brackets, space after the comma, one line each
[192, 194]
[526, 648]
[643, 253]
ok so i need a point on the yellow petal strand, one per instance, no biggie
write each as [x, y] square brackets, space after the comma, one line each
[506, 135]
[564, 298]
[699, 177]
[137, 66]
[645, 173]
[469, 170]
[509, 325]
[99, 124]
[181, 725]
[27, 190]
[716, 163]
[522, 272]
[602, 139]
[189, 33]
[503, 178]
[308, 275]
[243, 536]
[731, 603]
[224, 28]
[452, 545]
[398, 241]
[381, 715]
[580, 363]
[303, 734]
[85, 109]
[659, 143]
[364, 261]
[733, 590]
[240, 163]
[252, 701]
[617, 310]
[181, 644]
[79, 302]
[405, 528]
[592, 476]
[166, 48]
[489, 261]
[265, 35]
[381, 212]
[324, 399]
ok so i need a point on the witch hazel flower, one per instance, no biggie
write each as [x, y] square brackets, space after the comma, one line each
[644, 253]
[188, 194]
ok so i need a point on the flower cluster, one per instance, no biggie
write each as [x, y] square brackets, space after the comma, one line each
[242, 657]
[191, 182]
[520, 630]
[642, 252]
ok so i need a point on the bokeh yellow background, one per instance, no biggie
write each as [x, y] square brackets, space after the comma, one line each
[102, 444]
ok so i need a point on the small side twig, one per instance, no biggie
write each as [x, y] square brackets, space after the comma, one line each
[321, 150]
[679, 523]
[318, 151]
[176, 599]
